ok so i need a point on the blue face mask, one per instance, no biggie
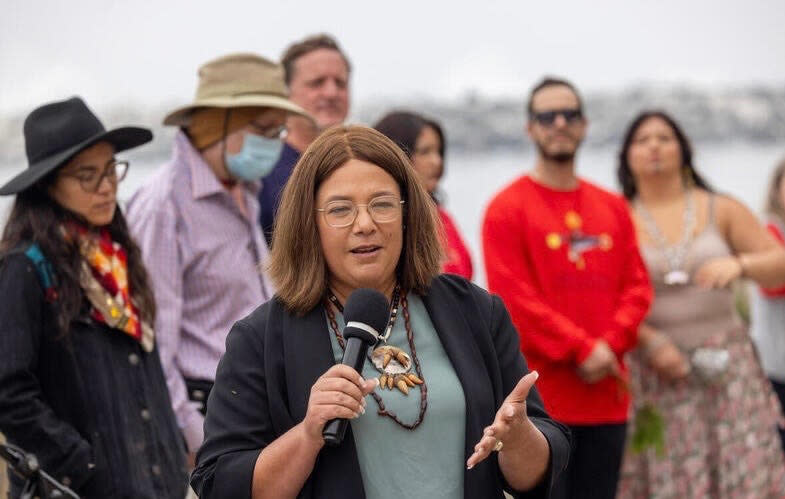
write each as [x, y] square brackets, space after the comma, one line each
[256, 159]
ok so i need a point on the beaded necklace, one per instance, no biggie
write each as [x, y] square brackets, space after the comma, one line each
[391, 362]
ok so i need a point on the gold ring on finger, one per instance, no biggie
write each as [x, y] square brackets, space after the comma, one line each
[498, 446]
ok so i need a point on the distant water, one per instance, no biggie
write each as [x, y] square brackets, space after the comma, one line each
[741, 170]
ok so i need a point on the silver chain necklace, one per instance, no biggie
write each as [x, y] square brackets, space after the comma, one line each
[675, 255]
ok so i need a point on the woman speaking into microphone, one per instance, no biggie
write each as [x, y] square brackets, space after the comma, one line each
[444, 406]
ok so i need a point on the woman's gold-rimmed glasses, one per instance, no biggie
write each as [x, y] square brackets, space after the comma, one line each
[342, 213]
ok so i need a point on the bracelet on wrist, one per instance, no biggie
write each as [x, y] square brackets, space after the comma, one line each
[742, 265]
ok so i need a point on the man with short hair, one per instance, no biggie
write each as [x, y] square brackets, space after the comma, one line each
[317, 72]
[562, 254]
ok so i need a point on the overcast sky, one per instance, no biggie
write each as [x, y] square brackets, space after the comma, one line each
[146, 52]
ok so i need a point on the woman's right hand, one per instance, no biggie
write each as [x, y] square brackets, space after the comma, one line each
[338, 393]
[669, 362]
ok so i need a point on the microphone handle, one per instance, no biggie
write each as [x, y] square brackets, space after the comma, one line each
[354, 356]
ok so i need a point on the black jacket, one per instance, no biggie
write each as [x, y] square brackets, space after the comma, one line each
[273, 358]
[92, 406]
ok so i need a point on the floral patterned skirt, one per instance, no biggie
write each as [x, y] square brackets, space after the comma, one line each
[721, 437]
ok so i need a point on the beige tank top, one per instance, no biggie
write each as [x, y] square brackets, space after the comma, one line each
[691, 316]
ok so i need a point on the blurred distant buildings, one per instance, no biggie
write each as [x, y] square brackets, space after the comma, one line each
[741, 114]
[477, 123]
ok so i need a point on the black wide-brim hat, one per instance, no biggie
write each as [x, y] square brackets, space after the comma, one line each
[55, 133]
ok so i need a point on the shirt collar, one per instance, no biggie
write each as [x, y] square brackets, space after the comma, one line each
[204, 183]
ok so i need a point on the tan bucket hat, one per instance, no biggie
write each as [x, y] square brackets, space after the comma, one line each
[238, 80]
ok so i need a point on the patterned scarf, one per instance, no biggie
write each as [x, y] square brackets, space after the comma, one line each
[104, 280]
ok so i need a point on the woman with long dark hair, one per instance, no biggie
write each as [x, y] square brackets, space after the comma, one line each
[695, 366]
[423, 141]
[81, 384]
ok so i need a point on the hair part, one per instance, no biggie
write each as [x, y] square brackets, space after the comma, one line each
[774, 207]
[551, 81]
[624, 172]
[36, 218]
[306, 46]
[297, 265]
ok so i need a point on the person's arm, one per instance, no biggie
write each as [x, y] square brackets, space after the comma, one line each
[238, 425]
[780, 291]
[25, 417]
[535, 448]
[662, 354]
[507, 268]
[757, 255]
[636, 292]
[242, 457]
[458, 259]
[155, 231]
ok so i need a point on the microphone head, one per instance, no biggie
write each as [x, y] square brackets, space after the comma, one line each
[369, 307]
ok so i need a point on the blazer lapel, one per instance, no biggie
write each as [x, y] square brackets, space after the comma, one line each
[307, 355]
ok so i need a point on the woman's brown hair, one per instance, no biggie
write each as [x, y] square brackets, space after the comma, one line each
[774, 206]
[297, 264]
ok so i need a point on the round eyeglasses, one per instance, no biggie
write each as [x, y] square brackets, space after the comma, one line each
[90, 177]
[343, 213]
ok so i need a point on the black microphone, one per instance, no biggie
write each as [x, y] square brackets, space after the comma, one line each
[366, 314]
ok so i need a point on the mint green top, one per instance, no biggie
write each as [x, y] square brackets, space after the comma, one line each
[428, 461]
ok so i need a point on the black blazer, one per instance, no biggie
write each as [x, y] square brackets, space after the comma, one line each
[273, 358]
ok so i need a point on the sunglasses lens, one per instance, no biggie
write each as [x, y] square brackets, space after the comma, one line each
[546, 118]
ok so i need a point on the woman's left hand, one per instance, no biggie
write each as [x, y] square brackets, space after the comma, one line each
[718, 272]
[511, 424]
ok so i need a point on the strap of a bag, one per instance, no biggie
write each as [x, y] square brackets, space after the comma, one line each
[45, 271]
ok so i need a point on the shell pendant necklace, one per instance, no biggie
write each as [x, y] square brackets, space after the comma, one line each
[393, 364]
[675, 256]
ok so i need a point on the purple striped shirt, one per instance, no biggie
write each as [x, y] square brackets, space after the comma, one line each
[203, 257]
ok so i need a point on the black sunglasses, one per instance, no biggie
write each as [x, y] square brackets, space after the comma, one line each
[549, 117]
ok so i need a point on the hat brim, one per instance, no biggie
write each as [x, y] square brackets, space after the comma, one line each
[122, 139]
[182, 116]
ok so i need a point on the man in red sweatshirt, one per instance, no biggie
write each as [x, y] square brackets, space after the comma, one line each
[562, 254]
